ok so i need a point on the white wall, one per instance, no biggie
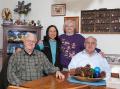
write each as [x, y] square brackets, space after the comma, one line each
[41, 10]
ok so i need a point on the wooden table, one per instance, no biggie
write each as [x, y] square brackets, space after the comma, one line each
[50, 82]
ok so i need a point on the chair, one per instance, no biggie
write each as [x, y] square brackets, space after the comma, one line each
[3, 75]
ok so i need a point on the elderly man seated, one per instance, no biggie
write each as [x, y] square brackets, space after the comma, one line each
[90, 56]
[29, 64]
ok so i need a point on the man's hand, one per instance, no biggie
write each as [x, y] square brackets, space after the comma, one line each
[60, 75]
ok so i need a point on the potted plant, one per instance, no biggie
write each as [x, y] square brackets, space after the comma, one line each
[22, 9]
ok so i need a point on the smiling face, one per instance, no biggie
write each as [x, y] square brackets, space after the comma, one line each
[69, 27]
[29, 42]
[90, 44]
[52, 33]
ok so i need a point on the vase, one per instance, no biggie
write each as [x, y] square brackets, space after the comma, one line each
[22, 17]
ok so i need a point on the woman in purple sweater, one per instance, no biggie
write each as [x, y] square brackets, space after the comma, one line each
[71, 43]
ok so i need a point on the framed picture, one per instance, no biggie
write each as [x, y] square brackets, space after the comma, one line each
[58, 9]
[113, 58]
[75, 19]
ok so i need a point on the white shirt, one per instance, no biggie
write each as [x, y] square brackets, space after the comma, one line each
[96, 60]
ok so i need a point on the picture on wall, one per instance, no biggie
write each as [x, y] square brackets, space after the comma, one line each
[58, 10]
[75, 19]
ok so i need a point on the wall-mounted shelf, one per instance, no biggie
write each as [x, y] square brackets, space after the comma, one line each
[102, 21]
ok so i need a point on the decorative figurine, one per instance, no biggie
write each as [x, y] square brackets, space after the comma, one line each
[7, 16]
[39, 24]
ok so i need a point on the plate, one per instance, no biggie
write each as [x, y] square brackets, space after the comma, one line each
[86, 79]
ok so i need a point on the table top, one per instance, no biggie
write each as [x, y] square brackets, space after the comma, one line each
[50, 82]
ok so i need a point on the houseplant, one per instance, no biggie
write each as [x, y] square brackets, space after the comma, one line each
[22, 9]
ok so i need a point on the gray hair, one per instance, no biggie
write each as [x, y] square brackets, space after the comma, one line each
[91, 38]
[28, 34]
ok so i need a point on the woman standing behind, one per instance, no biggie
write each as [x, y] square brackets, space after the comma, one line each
[51, 46]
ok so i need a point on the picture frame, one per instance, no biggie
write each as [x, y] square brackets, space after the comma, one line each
[113, 58]
[76, 20]
[58, 10]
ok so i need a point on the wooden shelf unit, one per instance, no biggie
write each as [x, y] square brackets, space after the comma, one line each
[102, 21]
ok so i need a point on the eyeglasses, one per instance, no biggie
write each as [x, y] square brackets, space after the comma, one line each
[93, 43]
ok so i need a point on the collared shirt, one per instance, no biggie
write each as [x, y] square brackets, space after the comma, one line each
[23, 67]
[95, 60]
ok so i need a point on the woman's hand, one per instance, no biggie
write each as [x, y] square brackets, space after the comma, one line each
[40, 42]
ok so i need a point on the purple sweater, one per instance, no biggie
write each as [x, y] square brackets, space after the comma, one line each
[70, 45]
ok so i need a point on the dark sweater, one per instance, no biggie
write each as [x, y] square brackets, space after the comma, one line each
[47, 51]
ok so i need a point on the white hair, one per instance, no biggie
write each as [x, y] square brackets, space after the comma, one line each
[91, 38]
[29, 34]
